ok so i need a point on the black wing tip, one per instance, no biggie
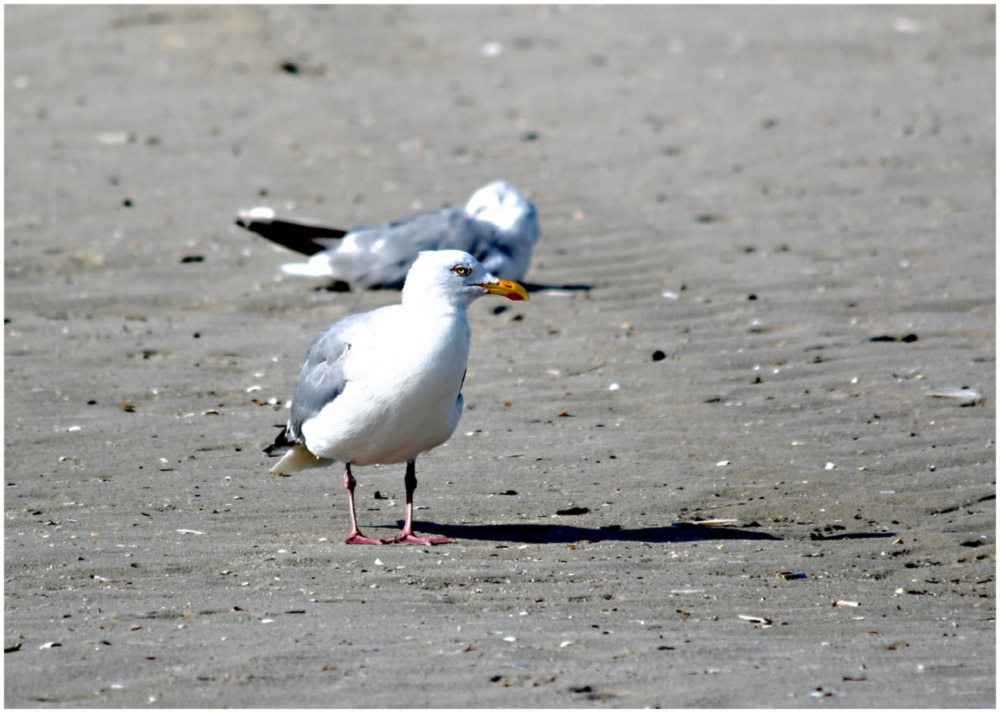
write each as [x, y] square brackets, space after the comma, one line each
[281, 442]
[299, 237]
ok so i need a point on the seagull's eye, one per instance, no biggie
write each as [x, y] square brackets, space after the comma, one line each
[462, 270]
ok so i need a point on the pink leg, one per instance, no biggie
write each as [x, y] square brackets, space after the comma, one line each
[406, 536]
[355, 538]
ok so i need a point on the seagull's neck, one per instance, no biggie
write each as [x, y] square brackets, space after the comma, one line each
[423, 306]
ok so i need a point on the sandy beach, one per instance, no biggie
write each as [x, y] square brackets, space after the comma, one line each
[738, 450]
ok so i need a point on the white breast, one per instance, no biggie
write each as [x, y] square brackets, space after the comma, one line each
[394, 408]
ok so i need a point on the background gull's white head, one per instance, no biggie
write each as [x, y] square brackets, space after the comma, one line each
[503, 205]
[514, 228]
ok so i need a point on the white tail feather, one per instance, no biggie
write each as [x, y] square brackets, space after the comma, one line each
[318, 266]
[298, 458]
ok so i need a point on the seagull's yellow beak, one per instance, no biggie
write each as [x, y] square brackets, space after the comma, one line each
[506, 288]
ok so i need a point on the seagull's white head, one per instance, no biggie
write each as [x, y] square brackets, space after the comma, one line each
[504, 206]
[453, 278]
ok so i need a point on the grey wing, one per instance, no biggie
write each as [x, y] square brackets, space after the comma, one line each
[381, 256]
[505, 252]
[322, 377]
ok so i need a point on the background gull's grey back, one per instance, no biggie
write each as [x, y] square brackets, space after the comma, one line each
[755, 193]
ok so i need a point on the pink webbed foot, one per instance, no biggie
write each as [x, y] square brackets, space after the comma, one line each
[356, 538]
[411, 539]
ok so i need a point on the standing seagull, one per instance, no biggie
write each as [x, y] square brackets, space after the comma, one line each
[498, 226]
[385, 386]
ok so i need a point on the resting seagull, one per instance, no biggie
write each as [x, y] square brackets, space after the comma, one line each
[498, 226]
[385, 386]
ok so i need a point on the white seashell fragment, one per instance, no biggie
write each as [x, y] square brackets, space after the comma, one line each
[966, 396]
[716, 522]
[261, 212]
[762, 620]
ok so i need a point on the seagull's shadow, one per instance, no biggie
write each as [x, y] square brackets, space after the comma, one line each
[537, 287]
[555, 534]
